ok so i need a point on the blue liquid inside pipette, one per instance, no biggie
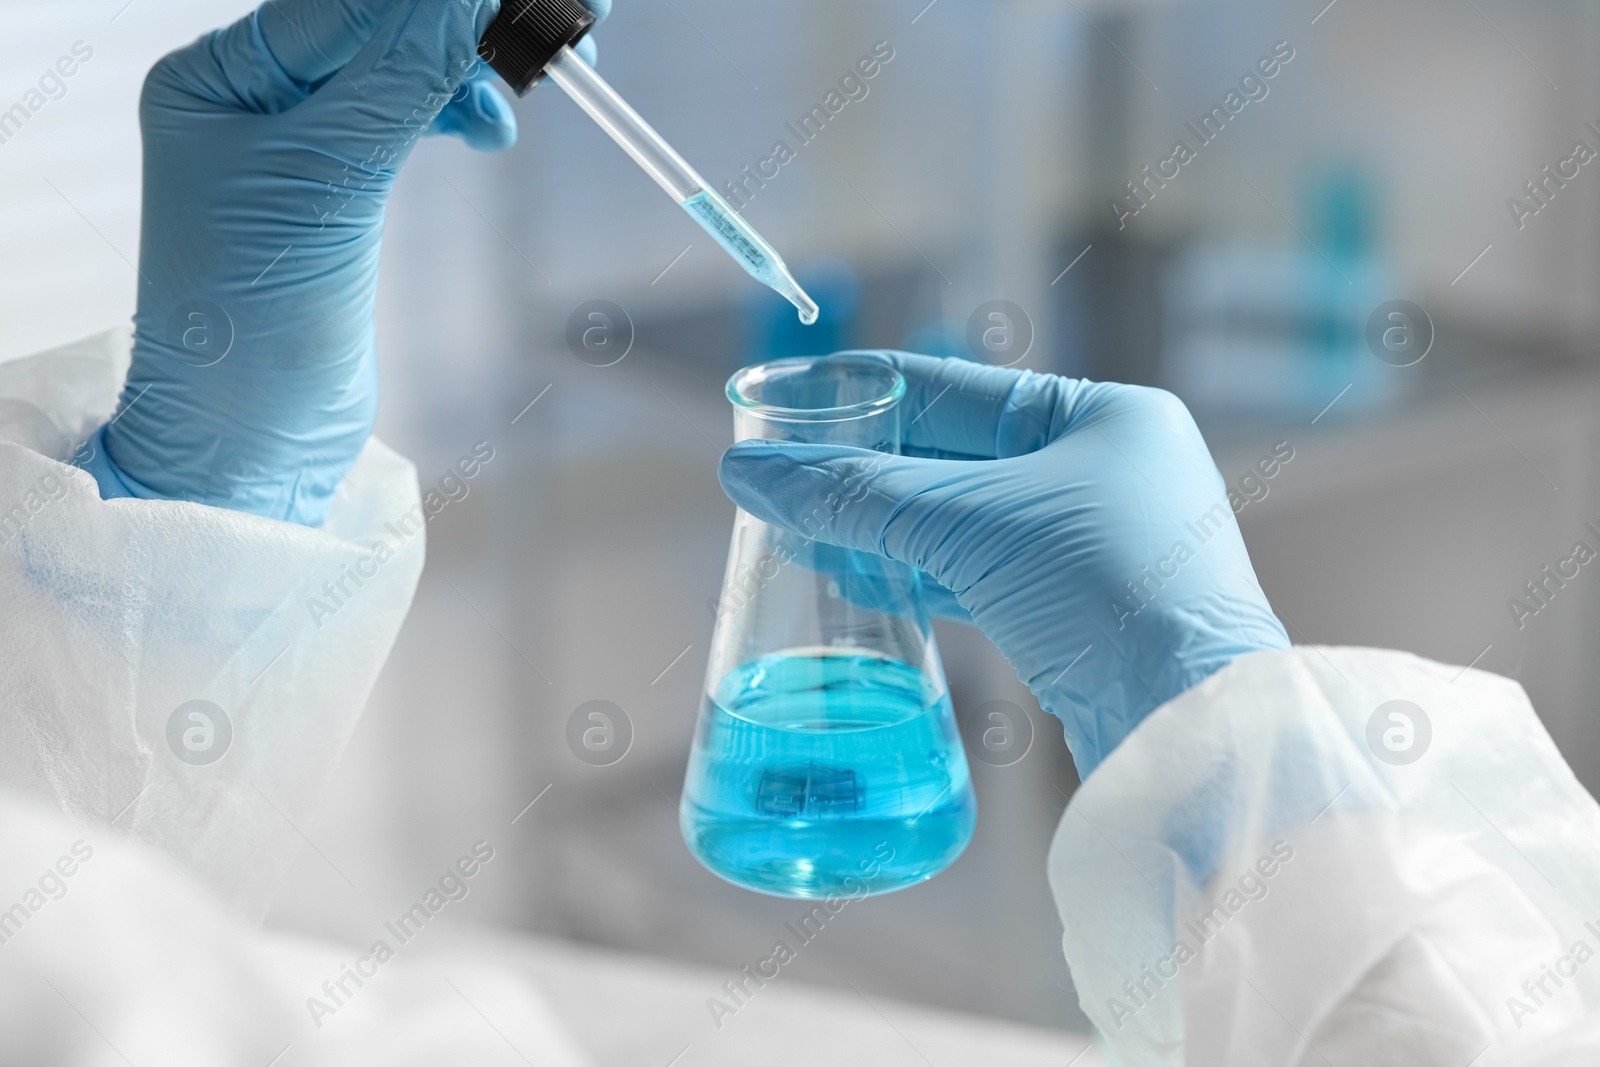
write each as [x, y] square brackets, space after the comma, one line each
[827, 775]
[747, 247]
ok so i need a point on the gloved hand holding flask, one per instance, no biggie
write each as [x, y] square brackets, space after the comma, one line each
[1081, 525]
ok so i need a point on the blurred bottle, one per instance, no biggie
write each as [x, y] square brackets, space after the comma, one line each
[1280, 329]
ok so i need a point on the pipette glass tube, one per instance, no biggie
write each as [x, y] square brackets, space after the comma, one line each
[579, 80]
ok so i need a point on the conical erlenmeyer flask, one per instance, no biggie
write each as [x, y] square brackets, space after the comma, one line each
[826, 761]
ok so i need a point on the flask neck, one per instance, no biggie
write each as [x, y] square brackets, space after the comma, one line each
[847, 399]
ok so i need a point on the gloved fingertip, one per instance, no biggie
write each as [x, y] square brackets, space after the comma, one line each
[600, 9]
[782, 481]
[497, 128]
[762, 451]
[480, 116]
[751, 471]
[755, 449]
[822, 491]
[739, 465]
[588, 51]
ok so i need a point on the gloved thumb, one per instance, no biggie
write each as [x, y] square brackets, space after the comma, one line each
[478, 115]
[842, 496]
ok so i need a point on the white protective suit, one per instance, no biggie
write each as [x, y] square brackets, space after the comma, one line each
[116, 615]
[1244, 883]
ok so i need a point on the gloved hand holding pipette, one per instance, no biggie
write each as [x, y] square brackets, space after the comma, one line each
[270, 148]
[1082, 526]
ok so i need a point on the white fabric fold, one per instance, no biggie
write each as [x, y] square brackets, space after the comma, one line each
[110, 953]
[122, 614]
[1245, 881]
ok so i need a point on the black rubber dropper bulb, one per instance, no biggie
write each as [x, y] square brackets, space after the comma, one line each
[527, 34]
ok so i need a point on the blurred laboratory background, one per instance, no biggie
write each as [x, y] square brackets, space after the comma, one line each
[1381, 259]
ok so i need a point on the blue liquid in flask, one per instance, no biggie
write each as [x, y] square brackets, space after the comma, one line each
[821, 774]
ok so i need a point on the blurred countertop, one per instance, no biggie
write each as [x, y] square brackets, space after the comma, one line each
[632, 1010]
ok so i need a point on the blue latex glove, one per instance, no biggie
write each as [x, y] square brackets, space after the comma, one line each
[1081, 525]
[270, 148]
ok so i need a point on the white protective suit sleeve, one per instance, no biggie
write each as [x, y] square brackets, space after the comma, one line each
[120, 613]
[1245, 883]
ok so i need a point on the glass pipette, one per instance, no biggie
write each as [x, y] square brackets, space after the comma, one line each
[546, 30]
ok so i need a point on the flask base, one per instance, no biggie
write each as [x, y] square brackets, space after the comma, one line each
[819, 858]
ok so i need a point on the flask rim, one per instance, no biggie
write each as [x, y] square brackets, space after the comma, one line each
[758, 373]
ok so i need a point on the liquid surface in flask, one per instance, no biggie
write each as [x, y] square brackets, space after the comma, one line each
[823, 774]
[744, 244]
